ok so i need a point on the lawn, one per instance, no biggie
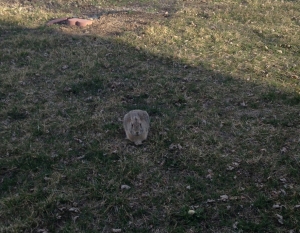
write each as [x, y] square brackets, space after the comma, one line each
[220, 80]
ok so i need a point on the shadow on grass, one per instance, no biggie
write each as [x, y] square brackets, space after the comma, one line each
[63, 95]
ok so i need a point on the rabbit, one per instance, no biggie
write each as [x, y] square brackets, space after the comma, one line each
[136, 125]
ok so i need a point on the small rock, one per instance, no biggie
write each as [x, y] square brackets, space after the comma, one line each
[191, 212]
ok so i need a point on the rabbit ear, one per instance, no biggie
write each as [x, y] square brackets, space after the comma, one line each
[127, 119]
[144, 116]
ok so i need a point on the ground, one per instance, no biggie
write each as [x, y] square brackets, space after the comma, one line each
[220, 81]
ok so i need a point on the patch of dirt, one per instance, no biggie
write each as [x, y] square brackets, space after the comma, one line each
[116, 23]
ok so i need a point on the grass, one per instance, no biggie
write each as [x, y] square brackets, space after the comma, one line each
[220, 81]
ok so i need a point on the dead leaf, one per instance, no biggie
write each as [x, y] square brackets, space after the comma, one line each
[279, 218]
[243, 104]
[229, 168]
[283, 150]
[89, 99]
[283, 180]
[124, 186]
[224, 197]
[175, 146]
[77, 140]
[234, 225]
[80, 157]
[179, 146]
[209, 176]
[73, 209]
[232, 166]
[164, 133]
[42, 231]
[283, 192]
[62, 209]
[210, 201]
[116, 230]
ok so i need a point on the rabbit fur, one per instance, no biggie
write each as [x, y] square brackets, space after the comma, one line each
[136, 125]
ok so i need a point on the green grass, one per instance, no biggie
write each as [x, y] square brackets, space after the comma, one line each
[220, 81]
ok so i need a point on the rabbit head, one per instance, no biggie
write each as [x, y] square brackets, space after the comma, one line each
[136, 127]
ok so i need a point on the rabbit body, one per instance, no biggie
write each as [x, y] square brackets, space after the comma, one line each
[136, 125]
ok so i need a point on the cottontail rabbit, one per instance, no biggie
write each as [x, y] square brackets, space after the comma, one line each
[136, 124]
